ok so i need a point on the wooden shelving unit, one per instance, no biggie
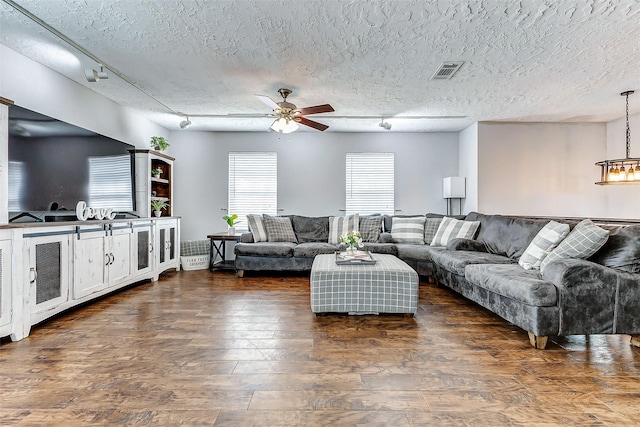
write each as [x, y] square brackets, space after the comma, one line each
[149, 188]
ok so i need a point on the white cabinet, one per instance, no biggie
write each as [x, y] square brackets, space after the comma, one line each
[102, 257]
[48, 272]
[142, 252]
[5, 287]
[167, 244]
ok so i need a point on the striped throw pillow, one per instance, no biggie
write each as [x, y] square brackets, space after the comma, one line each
[256, 227]
[339, 225]
[451, 228]
[545, 241]
[584, 240]
[408, 230]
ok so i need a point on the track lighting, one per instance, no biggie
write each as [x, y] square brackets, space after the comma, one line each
[185, 123]
[93, 75]
[385, 125]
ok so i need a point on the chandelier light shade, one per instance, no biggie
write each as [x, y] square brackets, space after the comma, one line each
[621, 171]
[284, 125]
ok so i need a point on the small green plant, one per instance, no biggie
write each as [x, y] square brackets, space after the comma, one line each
[159, 143]
[156, 171]
[231, 219]
[158, 205]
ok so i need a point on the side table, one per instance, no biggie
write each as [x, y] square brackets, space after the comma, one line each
[217, 248]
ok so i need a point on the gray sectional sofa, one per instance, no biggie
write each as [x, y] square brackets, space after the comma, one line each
[598, 295]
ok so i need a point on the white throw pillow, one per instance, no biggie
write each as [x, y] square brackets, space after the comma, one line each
[339, 225]
[451, 228]
[256, 227]
[545, 241]
[408, 230]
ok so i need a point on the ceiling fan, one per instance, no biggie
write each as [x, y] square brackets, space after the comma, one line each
[288, 115]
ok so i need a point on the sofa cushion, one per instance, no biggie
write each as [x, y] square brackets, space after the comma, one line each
[311, 249]
[370, 228]
[451, 228]
[408, 230]
[311, 229]
[279, 229]
[381, 248]
[545, 241]
[584, 240]
[431, 226]
[513, 281]
[621, 251]
[339, 225]
[417, 252]
[508, 236]
[256, 227]
[268, 249]
[456, 261]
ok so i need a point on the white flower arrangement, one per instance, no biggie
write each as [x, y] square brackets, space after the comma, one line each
[352, 239]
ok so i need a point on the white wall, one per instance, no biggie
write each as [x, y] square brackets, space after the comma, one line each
[623, 201]
[311, 171]
[55, 95]
[541, 169]
[468, 166]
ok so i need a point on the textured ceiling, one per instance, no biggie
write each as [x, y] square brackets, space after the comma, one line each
[530, 60]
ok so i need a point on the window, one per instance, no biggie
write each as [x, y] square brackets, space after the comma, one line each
[253, 184]
[110, 183]
[16, 176]
[370, 183]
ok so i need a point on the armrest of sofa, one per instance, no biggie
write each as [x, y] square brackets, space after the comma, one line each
[246, 238]
[459, 244]
[587, 295]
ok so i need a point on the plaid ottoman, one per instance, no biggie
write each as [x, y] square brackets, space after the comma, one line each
[388, 286]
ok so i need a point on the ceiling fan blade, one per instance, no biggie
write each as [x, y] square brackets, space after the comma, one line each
[311, 123]
[270, 102]
[325, 108]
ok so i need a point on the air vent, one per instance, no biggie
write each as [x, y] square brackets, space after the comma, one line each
[447, 70]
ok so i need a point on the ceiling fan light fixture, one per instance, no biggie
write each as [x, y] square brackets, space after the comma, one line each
[284, 125]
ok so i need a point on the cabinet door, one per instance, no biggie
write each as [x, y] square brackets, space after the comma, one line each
[120, 254]
[89, 264]
[5, 282]
[142, 249]
[48, 272]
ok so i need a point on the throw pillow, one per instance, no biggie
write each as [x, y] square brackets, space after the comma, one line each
[584, 240]
[279, 229]
[256, 227]
[451, 228]
[622, 250]
[339, 225]
[545, 241]
[408, 230]
[370, 228]
[430, 229]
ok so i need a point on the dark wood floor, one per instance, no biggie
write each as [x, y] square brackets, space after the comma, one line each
[201, 348]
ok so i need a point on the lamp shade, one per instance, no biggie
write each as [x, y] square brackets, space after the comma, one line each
[453, 187]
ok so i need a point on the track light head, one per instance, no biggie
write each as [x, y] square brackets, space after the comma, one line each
[185, 123]
[385, 125]
[93, 76]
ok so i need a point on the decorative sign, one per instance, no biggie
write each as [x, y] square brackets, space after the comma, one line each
[84, 212]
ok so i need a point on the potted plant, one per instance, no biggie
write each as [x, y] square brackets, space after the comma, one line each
[231, 221]
[156, 172]
[159, 143]
[158, 205]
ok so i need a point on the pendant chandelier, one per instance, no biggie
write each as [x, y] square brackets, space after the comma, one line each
[621, 171]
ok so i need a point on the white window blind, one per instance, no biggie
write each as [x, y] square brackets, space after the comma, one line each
[253, 184]
[16, 174]
[110, 183]
[370, 186]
